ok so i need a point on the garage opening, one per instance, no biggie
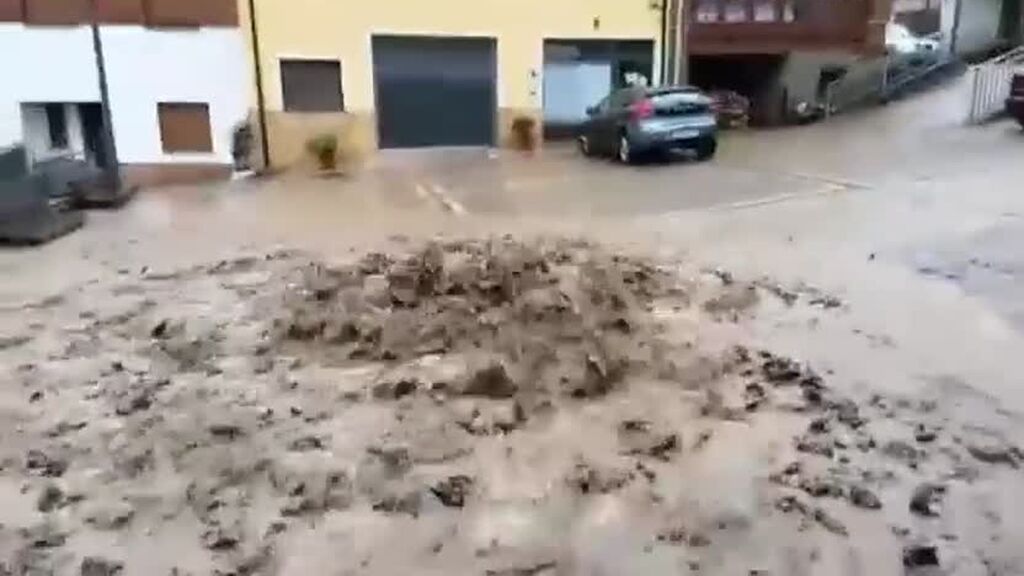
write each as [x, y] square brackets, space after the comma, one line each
[63, 130]
[756, 77]
[435, 91]
[579, 73]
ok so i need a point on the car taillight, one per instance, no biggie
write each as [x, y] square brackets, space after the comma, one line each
[642, 109]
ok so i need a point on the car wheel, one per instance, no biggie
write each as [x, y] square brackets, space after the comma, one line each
[584, 143]
[706, 149]
[625, 152]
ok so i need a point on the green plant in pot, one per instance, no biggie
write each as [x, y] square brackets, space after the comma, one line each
[325, 149]
[523, 133]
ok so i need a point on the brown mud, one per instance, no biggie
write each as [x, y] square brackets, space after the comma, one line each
[467, 407]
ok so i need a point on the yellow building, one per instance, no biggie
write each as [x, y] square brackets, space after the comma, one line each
[410, 73]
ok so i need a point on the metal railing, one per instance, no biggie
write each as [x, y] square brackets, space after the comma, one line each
[990, 85]
[879, 80]
[864, 82]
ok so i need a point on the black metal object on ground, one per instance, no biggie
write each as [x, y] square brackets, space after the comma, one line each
[98, 193]
[31, 209]
[87, 186]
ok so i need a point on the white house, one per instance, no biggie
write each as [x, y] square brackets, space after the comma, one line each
[176, 71]
[982, 24]
[979, 26]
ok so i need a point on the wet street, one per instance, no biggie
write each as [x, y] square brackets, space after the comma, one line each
[909, 221]
[908, 182]
[902, 206]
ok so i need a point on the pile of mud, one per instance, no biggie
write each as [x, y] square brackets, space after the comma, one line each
[457, 407]
[511, 320]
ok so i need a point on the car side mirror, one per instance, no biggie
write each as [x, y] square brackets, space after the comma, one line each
[591, 110]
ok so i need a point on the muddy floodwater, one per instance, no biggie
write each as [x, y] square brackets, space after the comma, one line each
[803, 358]
[496, 406]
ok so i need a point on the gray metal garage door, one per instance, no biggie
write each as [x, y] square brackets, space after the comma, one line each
[434, 91]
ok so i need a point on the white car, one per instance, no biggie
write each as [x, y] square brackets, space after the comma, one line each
[904, 44]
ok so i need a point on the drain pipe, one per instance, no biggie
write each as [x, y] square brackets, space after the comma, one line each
[682, 71]
[957, 14]
[261, 106]
[113, 164]
[664, 41]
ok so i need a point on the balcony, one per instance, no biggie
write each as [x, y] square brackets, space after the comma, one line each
[154, 13]
[780, 26]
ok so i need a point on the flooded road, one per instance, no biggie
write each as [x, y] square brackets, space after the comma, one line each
[902, 223]
[909, 182]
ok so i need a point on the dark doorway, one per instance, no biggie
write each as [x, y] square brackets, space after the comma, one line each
[435, 91]
[91, 115]
[754, 76]
[1010, 21]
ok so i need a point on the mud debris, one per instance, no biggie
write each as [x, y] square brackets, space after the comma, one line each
[830, 523]
[586, 479]
[821, 487]
[682, 536]
[408, 503]
[453, 491]
[221, 537]
[920, 555]
[533, 570]
[135, 400]
[862, 497]
[109, 516]
[96, 566]
[924, 434]
[43, 464]
[505, 298]
[491, 381]
[927, 499]
[491, 396]
[792, 504]
[310, 489]
[7, 342]
[51, 498]
[994, 452]
[43, 535]
[903, 451]
[638, 437]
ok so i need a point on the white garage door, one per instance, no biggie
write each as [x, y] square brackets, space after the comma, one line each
[571, 87]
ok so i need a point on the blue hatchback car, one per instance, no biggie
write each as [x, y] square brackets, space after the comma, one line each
[635, 121]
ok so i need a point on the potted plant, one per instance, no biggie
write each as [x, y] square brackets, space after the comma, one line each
[325, 149]
[524, 136]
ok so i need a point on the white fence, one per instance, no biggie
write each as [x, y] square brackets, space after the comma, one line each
[990, 85]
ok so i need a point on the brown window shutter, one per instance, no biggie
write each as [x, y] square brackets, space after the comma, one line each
[171, 13]
[312, 86]
[57, 12]
[121, 11]
[191, 13]
[185, 127]
[221, 13]
[12, 10]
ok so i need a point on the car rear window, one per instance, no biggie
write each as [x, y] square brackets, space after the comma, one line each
[676, 103]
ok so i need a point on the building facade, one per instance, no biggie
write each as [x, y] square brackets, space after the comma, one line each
[922, 17]
[177, 74]
[784, 55]
[976, 29]
[973, 29]
[407, 73]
